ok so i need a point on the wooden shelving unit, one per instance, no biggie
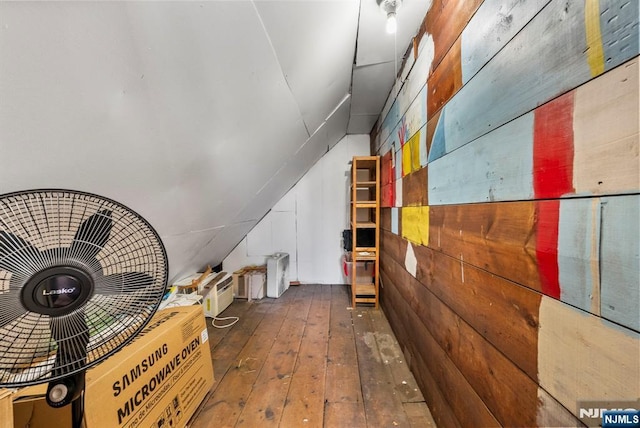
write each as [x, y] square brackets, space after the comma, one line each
[365, 221]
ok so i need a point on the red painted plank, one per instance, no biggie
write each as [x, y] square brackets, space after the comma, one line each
[552, 177]
[386, 168]
[553, 148]
[387, 193]
[548, 216]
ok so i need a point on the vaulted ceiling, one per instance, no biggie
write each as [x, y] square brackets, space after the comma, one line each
[198, 115]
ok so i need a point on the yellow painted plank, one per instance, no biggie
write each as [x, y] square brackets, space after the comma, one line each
[411, 155]
[415, 224]
[595, 51]
[406, 159]
[414, 142]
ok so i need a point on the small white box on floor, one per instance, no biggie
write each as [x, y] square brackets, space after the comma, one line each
[277, 274]
[257, 284]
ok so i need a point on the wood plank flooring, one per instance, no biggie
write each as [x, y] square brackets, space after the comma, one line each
[308, 360]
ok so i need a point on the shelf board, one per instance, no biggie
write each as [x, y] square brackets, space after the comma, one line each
[373, 300]
[365, 290]
[364, 224]
[365, 184]
[365, 162]
[365, 204]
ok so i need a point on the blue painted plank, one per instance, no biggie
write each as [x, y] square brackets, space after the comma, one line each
[493, 25]
[547, 58]
[620, 260]
[619, 28]
[438, 148]
[578, 246]
[409, 110]
[496, 167]
[394, 220]
[390, 122]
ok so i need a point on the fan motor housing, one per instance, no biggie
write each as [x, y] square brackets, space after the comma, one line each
[57, 290]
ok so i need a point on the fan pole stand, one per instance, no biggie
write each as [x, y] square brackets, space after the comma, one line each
[69, 390]
[77, 412]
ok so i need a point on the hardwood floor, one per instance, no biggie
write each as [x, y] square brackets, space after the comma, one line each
[308, 360]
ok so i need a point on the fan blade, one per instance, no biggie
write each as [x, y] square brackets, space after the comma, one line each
[127, 293]
[122, 283]
[92, 235]
[17, 255]
[12, 309]
[72, 335]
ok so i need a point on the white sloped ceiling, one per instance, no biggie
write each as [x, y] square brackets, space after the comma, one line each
[198, 115]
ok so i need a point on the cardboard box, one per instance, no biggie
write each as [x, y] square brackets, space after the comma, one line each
[6, 409]
[33, 411]
[158, 380]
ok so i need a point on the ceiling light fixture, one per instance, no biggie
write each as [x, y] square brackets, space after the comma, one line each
[390, 8]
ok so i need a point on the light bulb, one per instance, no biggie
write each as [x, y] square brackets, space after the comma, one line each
[392, 23]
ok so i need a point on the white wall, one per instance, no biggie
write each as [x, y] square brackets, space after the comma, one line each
[308, 221]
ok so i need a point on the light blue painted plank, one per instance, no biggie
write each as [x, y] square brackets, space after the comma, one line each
[496, 167]
[438, 148]
[578, 245]
[619, 28]
[394, 220]
[492, 26]
[390, 121]
[385, 147]
[620, 260]
[546, 59]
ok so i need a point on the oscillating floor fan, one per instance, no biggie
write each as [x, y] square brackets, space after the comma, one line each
[80, 276]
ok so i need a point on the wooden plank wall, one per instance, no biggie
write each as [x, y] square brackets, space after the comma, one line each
[510, 255]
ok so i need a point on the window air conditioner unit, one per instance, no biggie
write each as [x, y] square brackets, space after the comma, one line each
[277, 274]
[217, 295]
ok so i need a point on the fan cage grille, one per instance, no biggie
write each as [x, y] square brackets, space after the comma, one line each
[121, 252]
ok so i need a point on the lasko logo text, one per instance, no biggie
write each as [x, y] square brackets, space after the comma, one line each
[629, 418]
[60, 291]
